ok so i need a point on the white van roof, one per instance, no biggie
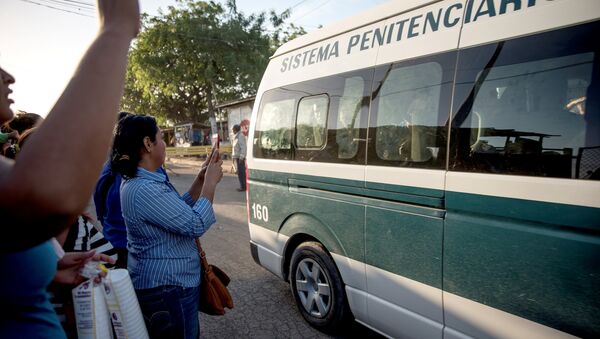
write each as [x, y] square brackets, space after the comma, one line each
[378, 13]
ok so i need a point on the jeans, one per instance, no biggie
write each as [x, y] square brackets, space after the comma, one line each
[241, 172]
[170, 311]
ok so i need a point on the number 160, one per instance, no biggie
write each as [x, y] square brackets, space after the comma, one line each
[260, 212]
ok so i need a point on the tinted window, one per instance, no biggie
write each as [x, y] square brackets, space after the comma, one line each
[347, 119]
[530, 106]
[321, 120]
[347, 127]
[311, 122]
[410, 113]
[273, 135]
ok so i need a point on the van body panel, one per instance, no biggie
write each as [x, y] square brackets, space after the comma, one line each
[416, 252]
[302, 223]
[269, 248]
[353, 274]
[416, 297]
[529, 258]
[398, 322]
[350, 174]
[410, 106]
[357, 300]
[428, 30]
[366, 18]
[481, 321]
[550, 190]
[403, 198]
[485, 24]
[407, 180]
[522, 218]
[327, 57]
[290, 211]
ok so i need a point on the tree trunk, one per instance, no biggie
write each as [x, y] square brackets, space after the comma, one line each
[211, 109]
[209, 100]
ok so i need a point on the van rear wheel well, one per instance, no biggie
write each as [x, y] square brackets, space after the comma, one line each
[292, 244]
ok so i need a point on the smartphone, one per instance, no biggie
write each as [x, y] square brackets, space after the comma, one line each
[216, 141]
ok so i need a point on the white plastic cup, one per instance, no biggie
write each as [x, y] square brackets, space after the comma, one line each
[125, 312]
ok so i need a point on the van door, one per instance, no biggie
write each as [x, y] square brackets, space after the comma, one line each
[521, 241]
[405, 173]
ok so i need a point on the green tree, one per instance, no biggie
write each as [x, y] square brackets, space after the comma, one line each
[198, 54]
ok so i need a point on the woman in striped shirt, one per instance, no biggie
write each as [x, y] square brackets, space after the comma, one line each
[161, 228]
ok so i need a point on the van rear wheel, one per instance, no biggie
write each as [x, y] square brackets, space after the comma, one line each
[318, 288]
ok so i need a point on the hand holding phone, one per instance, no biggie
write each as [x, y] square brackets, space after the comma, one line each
[207, 161]
[214, 171]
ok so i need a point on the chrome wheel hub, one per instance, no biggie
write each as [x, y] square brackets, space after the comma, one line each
[313, 288]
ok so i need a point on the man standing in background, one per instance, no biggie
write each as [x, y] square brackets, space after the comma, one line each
[239, 156]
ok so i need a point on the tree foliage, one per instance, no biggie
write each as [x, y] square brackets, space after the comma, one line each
[197, 54]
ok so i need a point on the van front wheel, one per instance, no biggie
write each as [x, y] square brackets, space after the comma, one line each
[317, 287]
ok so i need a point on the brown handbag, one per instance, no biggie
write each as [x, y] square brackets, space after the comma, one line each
[214, 296]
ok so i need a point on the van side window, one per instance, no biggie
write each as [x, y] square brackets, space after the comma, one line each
[409, 114]
[319, 120]
[348, 118]
[331, 117]
[311, 131]
[530, 111]
[273, 135]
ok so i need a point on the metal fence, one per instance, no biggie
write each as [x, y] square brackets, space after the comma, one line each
[197, 151]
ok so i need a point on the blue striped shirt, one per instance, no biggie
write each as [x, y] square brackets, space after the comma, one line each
[161, 228]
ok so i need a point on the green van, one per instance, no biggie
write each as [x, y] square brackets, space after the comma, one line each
[431, 169]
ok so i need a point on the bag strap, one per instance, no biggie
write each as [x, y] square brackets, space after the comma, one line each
[203, 261]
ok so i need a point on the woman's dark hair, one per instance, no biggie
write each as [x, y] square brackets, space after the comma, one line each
[122, 115]
[24, 121]
[129, 142]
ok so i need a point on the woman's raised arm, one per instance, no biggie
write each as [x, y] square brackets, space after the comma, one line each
[55, 174]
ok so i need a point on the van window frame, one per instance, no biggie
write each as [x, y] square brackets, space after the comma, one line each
[315, 87]
[447, 61]
[474, 63]
[295, 129]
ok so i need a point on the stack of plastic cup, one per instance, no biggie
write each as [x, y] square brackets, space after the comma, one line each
[91, 313]
[125, 312]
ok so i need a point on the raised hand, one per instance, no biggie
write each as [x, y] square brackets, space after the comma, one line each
[122, 16]
[206, 162]
[214, 173]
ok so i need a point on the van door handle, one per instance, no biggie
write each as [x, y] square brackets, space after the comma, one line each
[361, 139]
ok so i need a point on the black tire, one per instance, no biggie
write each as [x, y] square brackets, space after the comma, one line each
[327, 313]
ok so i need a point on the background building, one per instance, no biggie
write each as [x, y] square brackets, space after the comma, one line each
[232, 113]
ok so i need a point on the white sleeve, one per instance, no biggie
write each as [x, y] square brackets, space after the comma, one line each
[60, 253]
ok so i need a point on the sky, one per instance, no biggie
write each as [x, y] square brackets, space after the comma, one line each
[41, 46]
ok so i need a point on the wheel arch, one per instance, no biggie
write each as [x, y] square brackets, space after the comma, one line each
[302, 227]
